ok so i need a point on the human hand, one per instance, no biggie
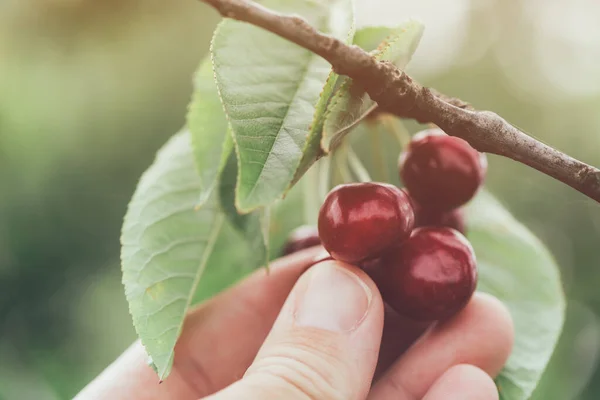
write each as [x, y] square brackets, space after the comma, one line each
[323, 340]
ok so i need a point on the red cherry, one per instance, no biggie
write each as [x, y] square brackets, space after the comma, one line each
[301, 238]
[359, 221]
[441, 172]
[431, 276]
[454, 219]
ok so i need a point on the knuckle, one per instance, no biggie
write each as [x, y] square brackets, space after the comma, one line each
[307, 367]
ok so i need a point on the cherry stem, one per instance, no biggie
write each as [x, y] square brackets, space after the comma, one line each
[324, 165]
[395, 126]
[341, 161]
[312, 197]
[265, 225]
[376, 150]
[357, 166]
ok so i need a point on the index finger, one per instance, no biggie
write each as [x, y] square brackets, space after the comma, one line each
[480, 335]
[220, 338]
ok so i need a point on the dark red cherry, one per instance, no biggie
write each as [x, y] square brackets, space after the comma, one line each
[301, 238]
[454, 219]
[359, 221]
[441, 172]
[431, 276]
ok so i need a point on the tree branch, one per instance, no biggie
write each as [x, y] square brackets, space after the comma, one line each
[396, 93]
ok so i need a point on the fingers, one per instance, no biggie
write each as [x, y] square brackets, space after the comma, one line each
[130, 377]
[219, 340]
[399, 333]
[481, 335]
[463, 382]
[325, 341]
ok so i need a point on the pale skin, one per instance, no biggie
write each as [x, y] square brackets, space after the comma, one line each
[317, 332]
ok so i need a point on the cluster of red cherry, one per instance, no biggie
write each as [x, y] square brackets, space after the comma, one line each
[410, 241]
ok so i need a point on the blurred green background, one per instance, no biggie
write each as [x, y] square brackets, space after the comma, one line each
[89, 90]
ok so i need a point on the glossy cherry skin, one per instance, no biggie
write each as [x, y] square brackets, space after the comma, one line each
[431, 276]
[359, 221]
[301, 238]
[454, 219]
[441, 172]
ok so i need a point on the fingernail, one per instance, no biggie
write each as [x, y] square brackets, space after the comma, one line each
[335, 299]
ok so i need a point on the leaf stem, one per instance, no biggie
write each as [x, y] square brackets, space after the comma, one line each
[324, 177]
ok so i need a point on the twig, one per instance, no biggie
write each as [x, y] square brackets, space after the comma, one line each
[397, 93]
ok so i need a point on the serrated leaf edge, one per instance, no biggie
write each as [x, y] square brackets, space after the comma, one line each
[332, 76]
[205, 194]
[230, 128]
[327, 145]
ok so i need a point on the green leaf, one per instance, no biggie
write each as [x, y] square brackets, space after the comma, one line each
[227, 264]
[312, 148]
[250, 226]
[270, 89]
[371, 37]
[350, 103]
[208, 126]
[515, 267]
[166, 247]
[575, 358]
[286, 215]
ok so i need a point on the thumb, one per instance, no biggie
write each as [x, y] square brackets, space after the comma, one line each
[324, 343]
